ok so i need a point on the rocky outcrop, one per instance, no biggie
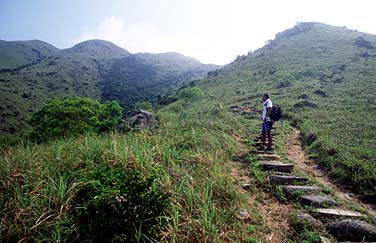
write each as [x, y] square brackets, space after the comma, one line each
[141, 119]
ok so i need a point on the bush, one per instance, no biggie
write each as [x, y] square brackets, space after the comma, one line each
[119, 205]
[145, 105]
[69, 116]
[190, 93]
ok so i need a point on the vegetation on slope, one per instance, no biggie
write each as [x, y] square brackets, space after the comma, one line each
[183, 161]
[32, 72]
[72, 116]
[324, 78]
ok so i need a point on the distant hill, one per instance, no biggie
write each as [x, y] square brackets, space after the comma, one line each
[32, 72]
[325, 79]
[149, 75]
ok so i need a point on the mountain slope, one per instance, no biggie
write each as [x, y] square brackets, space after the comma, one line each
[32, 72]
[15, 54]
[324, 78]
[145, 76]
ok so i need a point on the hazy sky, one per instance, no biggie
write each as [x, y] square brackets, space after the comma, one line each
[212, 31]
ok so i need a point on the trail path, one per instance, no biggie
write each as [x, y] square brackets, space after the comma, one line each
[303, 182]
[296, 153]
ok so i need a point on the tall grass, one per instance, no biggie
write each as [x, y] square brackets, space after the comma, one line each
[186, 153]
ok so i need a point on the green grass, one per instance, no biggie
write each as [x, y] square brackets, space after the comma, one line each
[187, 153]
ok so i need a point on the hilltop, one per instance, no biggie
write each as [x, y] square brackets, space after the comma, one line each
[31, 72]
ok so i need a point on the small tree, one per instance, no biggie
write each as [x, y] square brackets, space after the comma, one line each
[145, 105]
[69, 116]
[190, 93]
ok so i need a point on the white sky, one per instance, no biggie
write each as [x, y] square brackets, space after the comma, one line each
[212, 31]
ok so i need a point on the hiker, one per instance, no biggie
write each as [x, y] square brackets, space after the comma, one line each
[267, 123]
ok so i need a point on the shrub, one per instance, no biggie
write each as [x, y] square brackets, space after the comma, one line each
[119, 205]
[69, 116]
[190, 93]
[145, 105]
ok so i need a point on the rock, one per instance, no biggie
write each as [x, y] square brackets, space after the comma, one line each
[246, 186]
[306, 103]
[317, 201]
[353, 230]
[141, 119]
[362, 43]
[337, 213]
[291, 190]
[277, 166]
[242, 214]
[284, 179]
[320, 93]
[303, 97]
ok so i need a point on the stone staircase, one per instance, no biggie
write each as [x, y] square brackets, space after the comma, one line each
[343, 225]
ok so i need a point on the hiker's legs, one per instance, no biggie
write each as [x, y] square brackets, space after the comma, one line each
[269, 134]
[264, 131]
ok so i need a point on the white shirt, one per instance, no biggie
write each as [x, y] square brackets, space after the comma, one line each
[268, 103]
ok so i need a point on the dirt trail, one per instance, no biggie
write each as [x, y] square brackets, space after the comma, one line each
[295, 153]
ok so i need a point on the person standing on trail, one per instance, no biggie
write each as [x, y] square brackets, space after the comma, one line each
[267, 123]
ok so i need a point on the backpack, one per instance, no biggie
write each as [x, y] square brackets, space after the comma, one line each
[276, 113]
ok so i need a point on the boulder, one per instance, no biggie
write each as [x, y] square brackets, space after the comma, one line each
[362, 43]
[303, 97]
[320, 93]
[141, 119]
[353, 230]
[306, 103]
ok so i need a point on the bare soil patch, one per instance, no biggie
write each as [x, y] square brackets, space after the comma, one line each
[296, 154]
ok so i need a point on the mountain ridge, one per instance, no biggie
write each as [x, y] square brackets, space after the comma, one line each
[31, 72]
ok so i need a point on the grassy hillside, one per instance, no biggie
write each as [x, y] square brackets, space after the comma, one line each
[324, 77]
[31, 72]
[185, 157]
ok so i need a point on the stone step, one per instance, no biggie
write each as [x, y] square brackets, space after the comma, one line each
[259, 151]
[269, 157]
[286, 179]
[291, 190]
[317, 201]
[353, 230]
[337, 213]
[277, 166]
